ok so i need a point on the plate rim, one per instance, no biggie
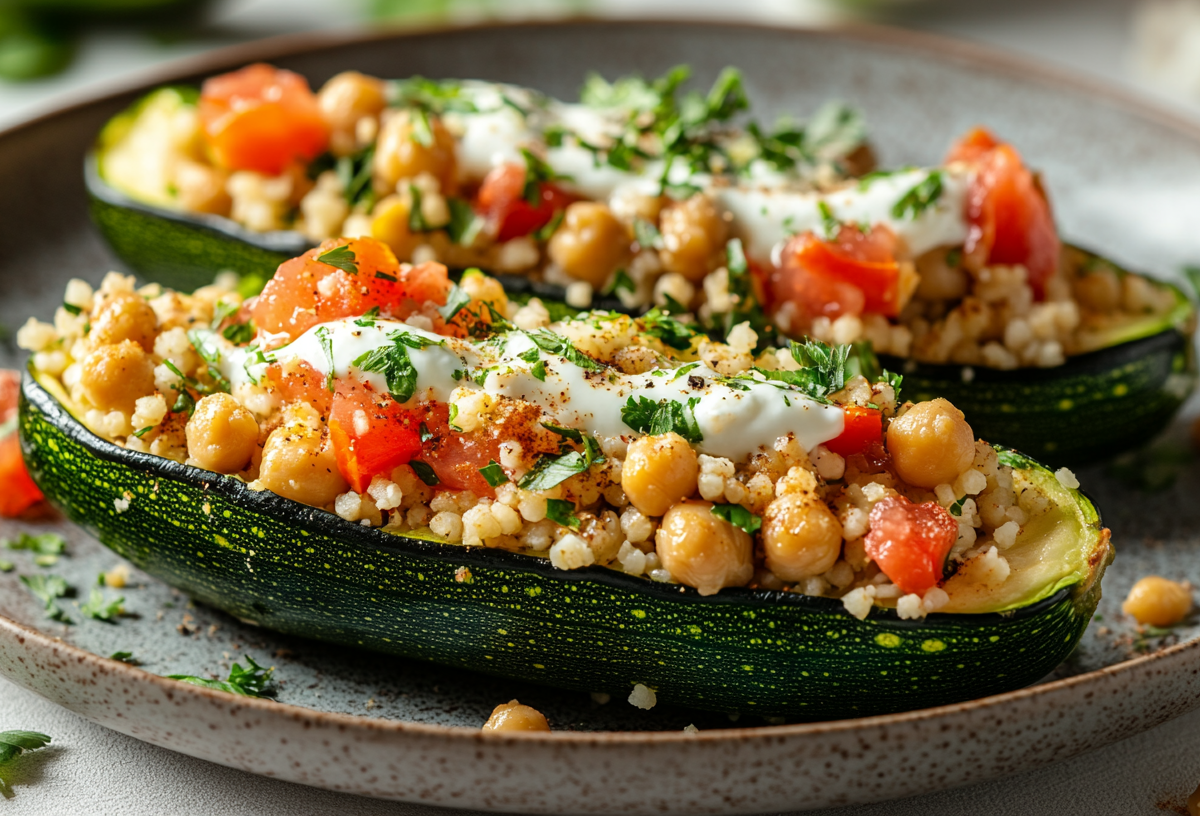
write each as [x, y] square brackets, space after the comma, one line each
[933, 46]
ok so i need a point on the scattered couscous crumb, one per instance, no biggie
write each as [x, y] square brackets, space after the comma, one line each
[643, 697]
[463, 575]
[512, 716]
[1066, 478]
[122, 504]
[691, 729]
[1158, 601]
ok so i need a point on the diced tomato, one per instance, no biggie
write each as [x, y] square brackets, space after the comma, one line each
[1007, 211]
[500, 199]
[856, 273]
[300, 382]
[261, 118]
[457, 457]
[910, 542]
[372, 434]
[305, 291]
[863, 428]
[17, 491]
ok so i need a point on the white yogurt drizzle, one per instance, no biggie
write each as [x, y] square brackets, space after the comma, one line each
[767, 208]
[736, 418]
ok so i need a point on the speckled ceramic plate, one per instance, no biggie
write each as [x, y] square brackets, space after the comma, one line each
[1125, 180]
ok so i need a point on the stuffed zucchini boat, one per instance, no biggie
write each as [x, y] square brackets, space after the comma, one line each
[649, 197]
[368, 454]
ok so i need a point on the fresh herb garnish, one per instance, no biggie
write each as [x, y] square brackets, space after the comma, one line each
[829, 223]
[538, 370]
[823, 369]
[562, 512]
[456, 301]
[239, 333]
[15, 743]
[416, 217]
[7, 566]
[920, 197]
[48, 589]
[124, 657]
[465, 224]
[833, 132]
[426, 434]
[493, 474]
[567, 433]
[956, 508]
[552, 343]
[537, 172]
[340, 257]
[553, 470]
[387, 277]
[646, 416]
[422, 131]
[327, 348]
[646, 234]
[545, 233]
[72, 308]
[424, 472]
[252, 681]
[367, 321]
[40, 544]
[429, 95]
[212, 359]
[670, 331]
[394, 363]
[621, 282]
[97, 608]
[894, 380]
[738, 516]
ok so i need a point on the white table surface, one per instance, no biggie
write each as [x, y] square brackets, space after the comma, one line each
[91, 770]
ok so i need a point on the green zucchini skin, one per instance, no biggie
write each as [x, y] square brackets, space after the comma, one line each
[1091, 408]
[303, 571]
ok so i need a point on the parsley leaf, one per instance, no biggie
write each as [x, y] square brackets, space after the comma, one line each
[562, 512]
[493, 474]
[253, 681]
[367, 321]
[920, 197]
[124, 657]
[567, 433]
[429, 95]
[212, 359]
[15, 743]
[239, 333]
[48, 589]
[537, 172]
[426, 434]
[40, 544]
[621, 282]
[553, 470]
[547, 232]
[823, 369]
[98, 608]
[646, 234]
[894, 380]
[341, 257]
[424, 472]
[394, 363]
[465, 224]
[354, 175]
[72, 308]
[654, 418]
[552, 343]
[327, 347]
[416, 217]
[670, 331]
[956, 508]
[829, 224]
[456, 301]
[539, 370]
[738, 516]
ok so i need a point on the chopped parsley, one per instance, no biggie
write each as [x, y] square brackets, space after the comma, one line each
[621, 282]
[422, 131]
[670, 331]
[124, 657]
[829, 224]
[537, 172]
[327, 347]
[553, 470]
[97, 608]
[738, 516]
[367, 321]
[212, 359]
[426, 434]
[654, 418]
[465, 224]
[456, 301]
[493, 474]
[48, 589]
[354, 173]
[424, 473]
[252, 681]
[539, 370]
[239, 333]
[385, 276]
[394, 363]
[894, 380]
[452, 415]
[562, 512]
[920, 197]
[40, 544]
[545, 233]
[416, 217]
[834, 131]
[646, 234]
[72, 308]
[341, 257]
[429, 95]
[567, 433]
[552, 343]
[956, 508]
[15, 743]
[823, 369]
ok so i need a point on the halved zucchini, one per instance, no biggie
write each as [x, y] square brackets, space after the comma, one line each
[303, 571]
[1093, 407]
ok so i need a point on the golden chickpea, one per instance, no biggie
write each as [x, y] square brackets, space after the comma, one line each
[221, 434]
[801, 537]
[400, 154]
[124, 317]
[1099, 291]
[202, 188]
[590, 244]
[1158, 601]
[298, 463]
[931, 444]
[658, 472]
[703, 551]
[115, 376]
[512, 716]
[344, 100]
[482, 287]
[693, 235]
[939, 280]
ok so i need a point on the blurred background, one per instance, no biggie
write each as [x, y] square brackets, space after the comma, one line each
[54, 51]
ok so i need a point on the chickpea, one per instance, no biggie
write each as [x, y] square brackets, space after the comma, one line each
[703, 551]
[1158, 601]
[512, 716]
[590, 244]
[221, 434]
[693, 234]
[482, 287]
[931, 444]
[801, 537]
[658, 472]
[938, 279]
[399, 153]
[298, 462]
[115, 376]
[124, 317]
[344, 100]
[1099, 291]
[202, 188]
